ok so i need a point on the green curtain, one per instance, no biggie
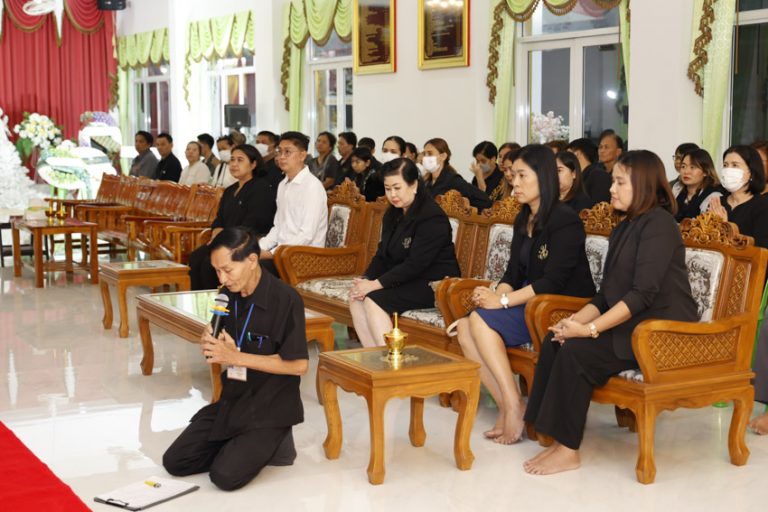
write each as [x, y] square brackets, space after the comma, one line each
[505, 83]
[141, 50]
[710, 65]
[624, 32]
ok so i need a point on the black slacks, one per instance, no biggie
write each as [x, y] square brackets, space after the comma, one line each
[202, 275]
[231, 463]
[562, 385]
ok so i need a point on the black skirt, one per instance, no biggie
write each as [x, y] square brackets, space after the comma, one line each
[405, 297]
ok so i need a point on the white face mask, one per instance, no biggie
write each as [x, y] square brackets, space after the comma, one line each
[429, 163]
[225, 155]
[486, 168]
[733, 179]
[388, 157]
[263, 149]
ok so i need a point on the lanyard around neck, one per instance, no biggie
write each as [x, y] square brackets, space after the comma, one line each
[245, 326]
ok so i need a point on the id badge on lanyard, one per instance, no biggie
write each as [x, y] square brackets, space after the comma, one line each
[239, 372]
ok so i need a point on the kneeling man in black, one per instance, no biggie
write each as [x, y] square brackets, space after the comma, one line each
[264, 351]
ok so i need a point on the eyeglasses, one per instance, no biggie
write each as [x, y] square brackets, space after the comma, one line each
[284, 153]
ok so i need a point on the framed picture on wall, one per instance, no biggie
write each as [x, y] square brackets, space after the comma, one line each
[374, 39]
[443, 33]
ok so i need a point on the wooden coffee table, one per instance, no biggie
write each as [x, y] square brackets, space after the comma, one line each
[48, 227]
[187, 313]
[423, 372]
[122, 274]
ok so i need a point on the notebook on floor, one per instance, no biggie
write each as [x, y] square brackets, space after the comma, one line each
[147, 493]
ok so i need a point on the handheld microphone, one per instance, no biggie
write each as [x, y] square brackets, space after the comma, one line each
[220, 311]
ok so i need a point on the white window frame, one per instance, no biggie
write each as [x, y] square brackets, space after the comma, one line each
[325, 64]
[576, 42]
[221, 76]
[140, 77]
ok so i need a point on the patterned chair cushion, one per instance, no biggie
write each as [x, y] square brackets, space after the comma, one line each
[704, 271]
[632, 375]
[332, 287]
[596, 247]
[454, 228]
[430, 316]
[499, 247]
[338, 223]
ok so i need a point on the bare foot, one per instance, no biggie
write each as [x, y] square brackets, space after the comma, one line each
[542, 454]
[498, 427]
[759, 425]
[513, 426]
[559, 460]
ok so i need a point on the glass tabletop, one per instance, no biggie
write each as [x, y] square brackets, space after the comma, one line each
[195, 305]
[413, 357]
[142, 265]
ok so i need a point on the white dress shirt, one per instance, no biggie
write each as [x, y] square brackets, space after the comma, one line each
[196, 173]
[302, 213]
[222, 177]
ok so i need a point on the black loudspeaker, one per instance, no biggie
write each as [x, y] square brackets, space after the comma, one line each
[236, 116]
[111, 5]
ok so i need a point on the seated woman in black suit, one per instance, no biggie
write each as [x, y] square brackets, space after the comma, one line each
[645, 277]
[743, 204]
[441, 177]
[547, 256]
[700, 184]
[415, 248]
[250, 202]
[571, 188]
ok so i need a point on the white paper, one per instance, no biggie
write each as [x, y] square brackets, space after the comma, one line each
[141, 495]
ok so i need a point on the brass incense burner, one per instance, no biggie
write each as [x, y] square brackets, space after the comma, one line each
[395, 340]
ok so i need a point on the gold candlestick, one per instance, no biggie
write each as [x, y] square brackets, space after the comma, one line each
[395, 340]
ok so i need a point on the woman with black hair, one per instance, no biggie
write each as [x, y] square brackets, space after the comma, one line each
[744, 180]
[571, 188]
[325, 166]
[547, 256]
[700, 184]
[416, 247]
[442, 177]
[250, 202]
[368, 181]
[346, 142]
[392, 147]
[488, 178]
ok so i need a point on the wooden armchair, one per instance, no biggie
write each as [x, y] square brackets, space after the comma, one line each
[687, 364]
[107, 194]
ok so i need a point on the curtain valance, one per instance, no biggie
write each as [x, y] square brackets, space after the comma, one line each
[84, 15]
[522, 10]
[141, 50]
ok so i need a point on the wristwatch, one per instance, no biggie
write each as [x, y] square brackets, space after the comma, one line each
[504, 301]
[593, 330]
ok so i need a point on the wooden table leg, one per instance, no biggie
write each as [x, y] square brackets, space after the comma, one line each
[325, 339]
[122, 305]
[182, 284]
[37, 247]
[469, 398]
[148, 359]
[332, 444]
[68, 260]
[107, 300]
[16, 252]
[93, 245]
[376, 420]
[416, 430]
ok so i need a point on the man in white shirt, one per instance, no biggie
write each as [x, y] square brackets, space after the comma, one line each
[302, 204]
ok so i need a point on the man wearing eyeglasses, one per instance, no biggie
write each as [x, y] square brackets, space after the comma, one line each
[302, 210]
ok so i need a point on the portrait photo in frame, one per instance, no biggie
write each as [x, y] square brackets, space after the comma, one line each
[443, 33]
[374, 42]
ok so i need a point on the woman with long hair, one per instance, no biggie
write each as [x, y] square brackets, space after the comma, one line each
[442, 177]
[700, 184]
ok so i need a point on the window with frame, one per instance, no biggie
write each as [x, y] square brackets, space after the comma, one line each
[149, 99]
[233, 82]
[572, 66]
[330, 86]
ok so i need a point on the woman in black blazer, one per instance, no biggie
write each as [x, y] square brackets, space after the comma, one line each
[416, 247]
[547, 256]
[645, 277]
[441, 177]
[571, 188]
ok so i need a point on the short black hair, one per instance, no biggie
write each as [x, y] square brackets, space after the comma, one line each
[148, 138]
[362, 153]
[367, 142]
[616, 137]
[166, 136]
[587, 148]
[298, 139]
[227, 139]
[240, 240]
[331, 138]
[487, 149]
[253, 155]
[349, 137]
[273, 137]
[206, 138]
[755, 165]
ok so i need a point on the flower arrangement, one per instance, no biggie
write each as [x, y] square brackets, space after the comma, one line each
[16, 189]
[36, 131]
[546, 128]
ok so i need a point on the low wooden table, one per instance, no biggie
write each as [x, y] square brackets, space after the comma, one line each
[150, 273]
[48, 227]
[187, 313]
[423, 372]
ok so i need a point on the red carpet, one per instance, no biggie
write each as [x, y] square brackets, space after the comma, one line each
[26, 484]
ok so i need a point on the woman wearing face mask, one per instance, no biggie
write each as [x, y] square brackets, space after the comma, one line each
[743, 178]
[415, 248]
[547, 256]
[441, 177]
[196, 171]
[393, 147]
[222, 177]
[488, 178]
[700, 184]
[325, 166]
[362, 174]
[571, 188]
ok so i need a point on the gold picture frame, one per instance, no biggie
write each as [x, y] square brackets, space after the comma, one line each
[374, 36]
[443, 33]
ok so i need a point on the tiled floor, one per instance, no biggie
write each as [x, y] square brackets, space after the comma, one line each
[75, 395]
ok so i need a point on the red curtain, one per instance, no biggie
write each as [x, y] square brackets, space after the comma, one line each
[58, 78]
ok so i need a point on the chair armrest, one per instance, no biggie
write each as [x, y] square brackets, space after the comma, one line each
[107, 217]
[182, 240]
[545, 310]
[136, 224]
[297, 263]
[454, 297]
[671, 351]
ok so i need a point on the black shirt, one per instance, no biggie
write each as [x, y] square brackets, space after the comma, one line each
[689, 209]
[580, 201]
[368, 182]
[494, 184]
[273, 173]
[276, 326]
[597, 183]
[169, 168]
[254, 206]
[451, 180]
[751, 217]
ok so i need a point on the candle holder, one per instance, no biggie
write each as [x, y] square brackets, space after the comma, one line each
[395, 340]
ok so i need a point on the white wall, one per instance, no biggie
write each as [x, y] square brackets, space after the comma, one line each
[664, 109]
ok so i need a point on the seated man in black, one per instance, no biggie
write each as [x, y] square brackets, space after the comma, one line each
[264, 350]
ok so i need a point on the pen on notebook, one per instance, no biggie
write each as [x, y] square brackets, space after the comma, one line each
[151, 483]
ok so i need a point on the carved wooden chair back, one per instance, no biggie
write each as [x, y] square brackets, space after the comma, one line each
[129, 187]
[108, 189]
[177, 201]
[346, 212]
[204, 204]
[143, 197]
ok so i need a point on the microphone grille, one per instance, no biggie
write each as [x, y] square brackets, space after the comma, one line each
[221, 300]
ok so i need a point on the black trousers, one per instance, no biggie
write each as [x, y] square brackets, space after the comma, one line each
[202, 275]
[231, 463]
[562, 385]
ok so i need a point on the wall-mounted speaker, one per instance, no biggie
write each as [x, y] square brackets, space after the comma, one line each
[111, 5]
